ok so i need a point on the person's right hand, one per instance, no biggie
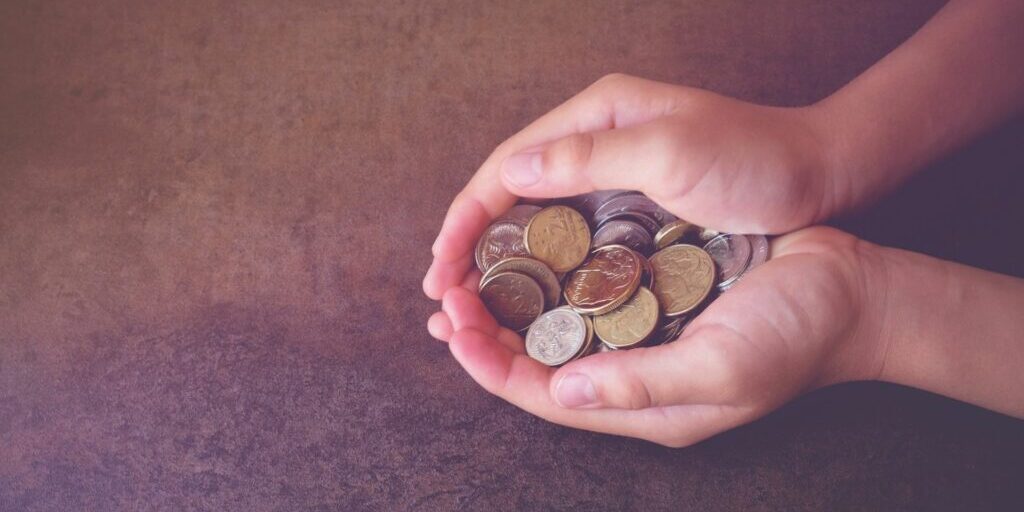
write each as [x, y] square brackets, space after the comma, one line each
[717, 162]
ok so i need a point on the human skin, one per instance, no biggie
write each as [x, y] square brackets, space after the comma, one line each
[827, 308]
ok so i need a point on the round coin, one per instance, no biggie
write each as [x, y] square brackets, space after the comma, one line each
[631, 323]
[520, 213]
[514, 299]
[648, 222]
[636, 203]
[539, 272]
[556, 336]
[500, 240]
[669, 329]
[624, 232]
[588, 203]
[605, 280]
[672, 232]
[759, 252]
[684, 275]
[731, 254]
[559, 237]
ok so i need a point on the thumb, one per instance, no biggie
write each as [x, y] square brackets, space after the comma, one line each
[644, 157]
[688, 371]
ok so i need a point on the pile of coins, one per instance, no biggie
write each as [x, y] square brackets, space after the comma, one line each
[637, 281]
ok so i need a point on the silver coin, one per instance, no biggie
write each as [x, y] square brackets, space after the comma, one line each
[624, 232]
[731, 254]
[556, 336]
[707, 234]
[499, 241]
[520, 213]
[759, 249]
[588, 203]
[634, 203]
[670, 330]
[648, 222]
[759, 253]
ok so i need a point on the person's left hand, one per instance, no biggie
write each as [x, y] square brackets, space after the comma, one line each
[805, 319]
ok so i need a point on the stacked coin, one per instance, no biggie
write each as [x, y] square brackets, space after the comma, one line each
[610, 265]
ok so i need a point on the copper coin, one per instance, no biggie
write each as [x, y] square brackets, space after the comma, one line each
[559, 237]
[514, 299]
[539, 272]
[500, 240]
[605, 280]
[684, 276]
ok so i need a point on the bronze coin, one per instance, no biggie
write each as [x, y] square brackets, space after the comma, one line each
[559, 237]
[500, 240]
[631, 323]
[514, 299]
[605, 280]
[684, 275]
[539, 272]
[673, 232]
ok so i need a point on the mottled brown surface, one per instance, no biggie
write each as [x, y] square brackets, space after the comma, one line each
[214, 218]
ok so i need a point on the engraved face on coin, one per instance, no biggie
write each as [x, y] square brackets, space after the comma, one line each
[559, 237]
[520, 213]
[624, 232]
[514, 299]
[536, 270]
[607, 279]
[672, 232]
[500, 240]
[630, 323]
[731, 254]
[684, 275]
[556, 336]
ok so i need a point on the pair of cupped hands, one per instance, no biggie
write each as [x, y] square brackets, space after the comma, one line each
[807, 318]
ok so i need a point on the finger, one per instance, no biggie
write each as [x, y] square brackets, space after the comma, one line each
[467, 311]
[524, 383]
[614, 101]
[439, 326]
[472, 281]
[644, 157]
[694, 369]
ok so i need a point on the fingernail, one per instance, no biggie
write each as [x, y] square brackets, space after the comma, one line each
[575, 390]
[522, 169]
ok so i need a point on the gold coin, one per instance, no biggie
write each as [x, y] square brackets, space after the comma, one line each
[672, 232]
[684, 275]
[631, 323]
[514, 299]
[605, 280]
[559, 237]
[539, 272]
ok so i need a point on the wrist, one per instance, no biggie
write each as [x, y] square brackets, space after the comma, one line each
[833, 159]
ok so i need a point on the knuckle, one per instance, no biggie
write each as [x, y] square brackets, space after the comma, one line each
[571, 154]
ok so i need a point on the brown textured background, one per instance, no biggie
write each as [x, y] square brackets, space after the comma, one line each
[214, 218]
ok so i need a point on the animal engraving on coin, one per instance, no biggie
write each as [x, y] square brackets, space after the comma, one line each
[556, 336]
[559, 237]
[630, 323]
[514, 299]
[499, 241]
[605, 280]
[684, 275]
